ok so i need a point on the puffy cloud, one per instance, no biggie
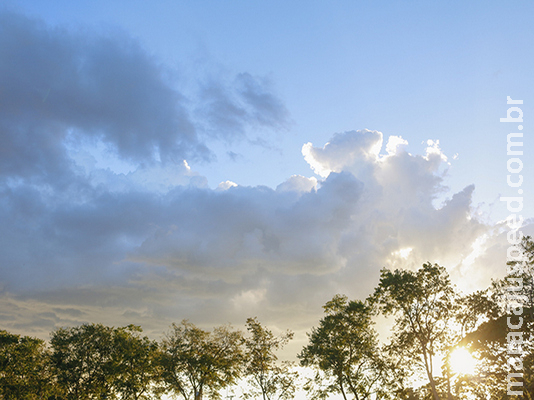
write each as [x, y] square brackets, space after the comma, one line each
[357, 148]
[298, 183]
[226, 235]
[185, 251]
[394, 142]
[226, 185]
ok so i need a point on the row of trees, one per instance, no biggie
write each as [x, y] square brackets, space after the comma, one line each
[94, 361]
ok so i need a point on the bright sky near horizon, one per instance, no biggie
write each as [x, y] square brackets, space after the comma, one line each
[216, 160]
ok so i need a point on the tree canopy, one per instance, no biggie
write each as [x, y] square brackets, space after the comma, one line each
[424, 303]
[268, 378]
[195, 361]
[344, 350]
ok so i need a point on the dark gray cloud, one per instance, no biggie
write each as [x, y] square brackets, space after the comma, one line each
[230, 109]
[55, 83]
[264, 108]
[59, 86]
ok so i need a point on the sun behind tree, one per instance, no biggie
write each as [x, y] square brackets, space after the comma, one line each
[462, 362]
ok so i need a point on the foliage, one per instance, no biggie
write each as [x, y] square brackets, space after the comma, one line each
[424, 303]
[134, 363]
[24, 369]
[489, 340]
[83, 360]
[267, 378]
[194, 361]
[344, 351]
[93, 361]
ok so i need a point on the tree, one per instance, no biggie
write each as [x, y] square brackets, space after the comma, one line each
[513, 297]
[344, 351]
[94, 361]
[268, 378]
[83, 360]
[134, 363]
[516, 292]
[424, 303]
[195, 362]
[25, 372]
[521, 275]
[474, 311]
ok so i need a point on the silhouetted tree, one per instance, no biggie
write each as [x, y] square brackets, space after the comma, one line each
[424, 303]
[513, 297]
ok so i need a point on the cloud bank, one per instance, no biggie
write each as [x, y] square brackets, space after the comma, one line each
[155, 244]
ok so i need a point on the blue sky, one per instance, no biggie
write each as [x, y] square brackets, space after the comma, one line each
[421, 70]
[122, 119]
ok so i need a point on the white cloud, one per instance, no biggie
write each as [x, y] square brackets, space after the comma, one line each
[355, 148]
[298, 183]
[433, 151]
[394, 142]
[181, 250]
[226, 185]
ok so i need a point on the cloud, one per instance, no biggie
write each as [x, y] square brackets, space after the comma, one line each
[61, 88]
[151, 244]
[298, 183]
[157, 178]
[354, 148]
[230, 109]
[227, 235]
[394, 142]
[94, 86]
[181, 250]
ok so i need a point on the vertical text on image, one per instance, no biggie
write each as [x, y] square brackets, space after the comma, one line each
[514, 179]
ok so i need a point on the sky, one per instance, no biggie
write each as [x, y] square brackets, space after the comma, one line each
[217, 160]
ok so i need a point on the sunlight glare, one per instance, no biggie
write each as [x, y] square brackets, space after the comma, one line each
[462, 362]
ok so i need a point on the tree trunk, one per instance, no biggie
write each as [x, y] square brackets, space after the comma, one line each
[430, 377]
[434, 391]
[449, 393]
[341, 387]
